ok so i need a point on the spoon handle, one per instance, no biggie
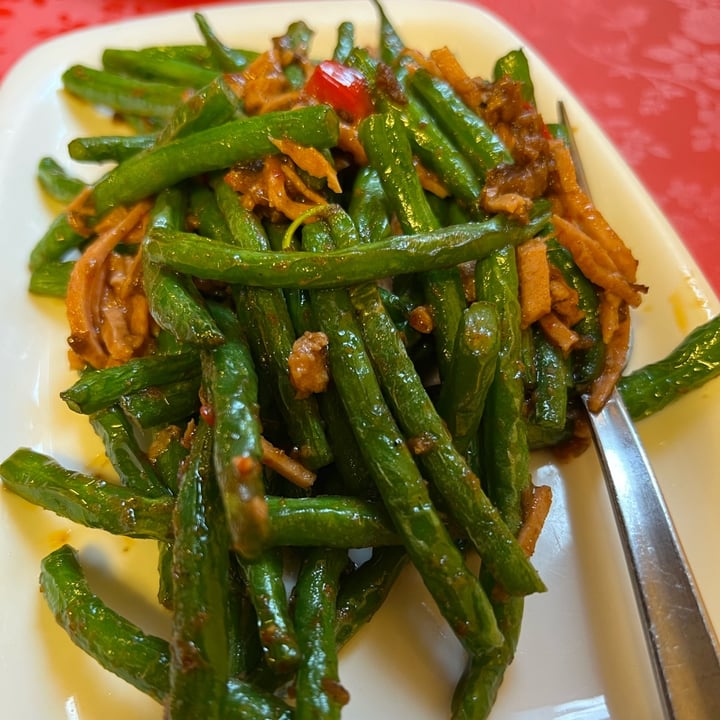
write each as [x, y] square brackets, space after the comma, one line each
[683, 649]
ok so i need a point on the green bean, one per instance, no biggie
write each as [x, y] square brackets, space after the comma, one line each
[55, 181]
[475, 139]
[266, 590]
[346, 454]
[505, 459]
[228, 59]
[199, 653]
[144, 66]
[174, 301]
[438, 153]
[196, 53]
[230, 383]
[167, 344]
[246, 702]
[353, 478]
[60, 237]
[117, 644]
[271, 334]
[211, 221]
[143, 124]
[296, 42]
[207, 216]
[514, 65]
[386, 143]
[503, 428]
[588, 362]
[319, 694]
[550, 395]
[341, 521]
[457, 593]
[165, 574]
[527, 356]
[444, 465]
[692, 363]
[443, 248]
[166, 404]
[86, 499]
[214, 148]
[142, 98]
[212, 105]
[123, 450]
[399, 311]
[108, 148]
[542, 438]
[124, 649]
[329, 520]
[298, 303]
[345, 41]
[243, 636]
[432, 146]
[390, 43]
[363, 591]
[477, 689]
[96, 389]
[168, 452]
[51, 278]
[368, 206]
[462, 396]
[388, 150]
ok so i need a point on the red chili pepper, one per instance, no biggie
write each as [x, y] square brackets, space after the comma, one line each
[543, 126]
[207, 413]
[343, 87]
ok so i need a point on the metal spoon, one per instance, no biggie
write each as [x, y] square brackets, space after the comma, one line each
[683, 648]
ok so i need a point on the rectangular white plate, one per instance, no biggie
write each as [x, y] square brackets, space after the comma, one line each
[581, 653]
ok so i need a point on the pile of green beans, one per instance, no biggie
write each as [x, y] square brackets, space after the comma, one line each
[421, 441]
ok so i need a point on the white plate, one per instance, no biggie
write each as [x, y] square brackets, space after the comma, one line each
[581, 653]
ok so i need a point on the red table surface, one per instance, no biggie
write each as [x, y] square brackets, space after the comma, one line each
[647, 70]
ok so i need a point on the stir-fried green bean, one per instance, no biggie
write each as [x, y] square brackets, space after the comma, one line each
[144, 66]
[118, 645]
[175, 302]
[199, 655]
[396, 255]
[389, 152]
[230, 383]
[461, 401]
[146, 98]
[108, 148]
[96, 389]
[320, 696]
[123, 648]
[51, 278]
[429, 390]
[123, 450]
[457, 593]
[270, 334]
[56, 182]
[215, 148]
[425, 430]
[692, 363]
[87, 500]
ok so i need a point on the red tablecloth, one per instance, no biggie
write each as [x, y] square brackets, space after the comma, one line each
[649, 71]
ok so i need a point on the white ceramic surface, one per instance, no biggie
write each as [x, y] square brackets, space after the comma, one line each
[581, 653]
